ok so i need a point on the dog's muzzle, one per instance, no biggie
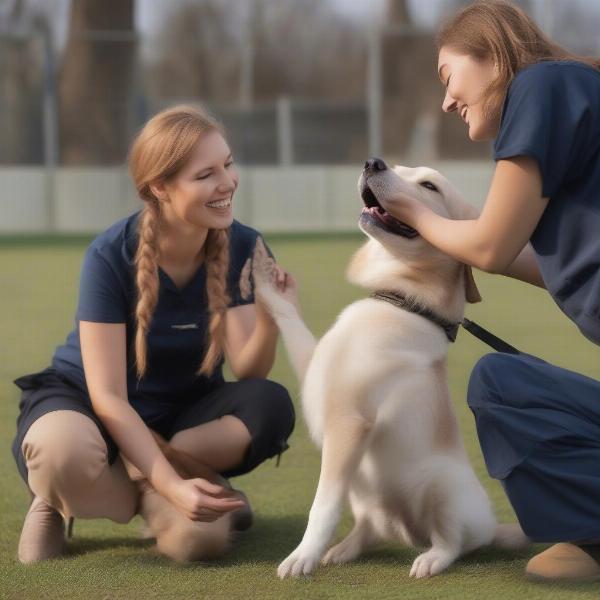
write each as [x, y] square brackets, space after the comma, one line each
[375, 214]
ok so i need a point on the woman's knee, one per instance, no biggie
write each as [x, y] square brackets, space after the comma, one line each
[490, 379]
[273, 405]
[64, 446]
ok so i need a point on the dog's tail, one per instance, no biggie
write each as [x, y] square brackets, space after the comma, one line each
[510, 536]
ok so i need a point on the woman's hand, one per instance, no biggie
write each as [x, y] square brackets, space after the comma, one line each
[406, 209]
[200, 500]
[286, 284]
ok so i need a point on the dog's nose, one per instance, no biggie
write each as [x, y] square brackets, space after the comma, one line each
[375, 164]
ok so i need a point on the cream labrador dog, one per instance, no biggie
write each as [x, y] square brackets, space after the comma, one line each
[375, 392]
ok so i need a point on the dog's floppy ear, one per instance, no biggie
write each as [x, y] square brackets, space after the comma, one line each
[472, 294]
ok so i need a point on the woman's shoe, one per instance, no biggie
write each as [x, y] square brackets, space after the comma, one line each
[43, 533]
[563, 562]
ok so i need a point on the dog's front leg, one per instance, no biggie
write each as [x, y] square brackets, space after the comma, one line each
[343, 446]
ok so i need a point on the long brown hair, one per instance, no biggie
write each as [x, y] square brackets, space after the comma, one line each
[501, 31]
[157, 154]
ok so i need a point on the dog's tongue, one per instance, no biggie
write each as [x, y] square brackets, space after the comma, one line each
[390, 222]
[388, 219]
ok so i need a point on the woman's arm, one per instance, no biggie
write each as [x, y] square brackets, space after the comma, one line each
[493, 241]
[525, 268]
[104, 359]
[250, 341]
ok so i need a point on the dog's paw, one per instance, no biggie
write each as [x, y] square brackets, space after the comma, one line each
[431, 563]
[341, 553]
[263, 267]
[264, 274]
[146, 532]
[245, 282]
[297, 564]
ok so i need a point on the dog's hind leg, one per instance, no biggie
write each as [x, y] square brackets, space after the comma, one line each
[343, 447]
[462, 521]
[353, 545]
[443, 552]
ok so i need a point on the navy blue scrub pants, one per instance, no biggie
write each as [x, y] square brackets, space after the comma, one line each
[539, 430]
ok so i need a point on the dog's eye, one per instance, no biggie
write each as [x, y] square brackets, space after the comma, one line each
[429, 186]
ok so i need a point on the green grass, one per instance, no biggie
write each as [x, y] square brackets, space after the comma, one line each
[106, 560]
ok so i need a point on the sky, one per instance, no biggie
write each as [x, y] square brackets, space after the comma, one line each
[150, 14]
[426, 13]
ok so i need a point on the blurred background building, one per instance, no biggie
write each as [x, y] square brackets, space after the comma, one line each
[307, 89]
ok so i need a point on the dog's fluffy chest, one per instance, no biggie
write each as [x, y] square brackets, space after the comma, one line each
[379, 331]
[371, 344]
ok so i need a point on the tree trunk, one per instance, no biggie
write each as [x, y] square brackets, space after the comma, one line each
[95, 83]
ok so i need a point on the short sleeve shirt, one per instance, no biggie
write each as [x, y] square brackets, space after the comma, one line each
[552, 114]
[177, 337]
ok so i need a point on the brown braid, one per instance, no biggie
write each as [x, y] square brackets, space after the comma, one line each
[158, 153]
[146, 279]
[217, 266]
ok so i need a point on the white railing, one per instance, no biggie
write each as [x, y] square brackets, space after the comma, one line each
[286, 199]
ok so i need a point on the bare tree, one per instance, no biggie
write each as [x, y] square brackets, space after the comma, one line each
[304, 48]
[95, 82]
[21, 64]
[199, 50]
[300, 48]
[410, 87]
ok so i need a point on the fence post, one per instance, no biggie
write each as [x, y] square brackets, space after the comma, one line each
[285, 131]
[374, 91]
[247, 56]
[50, 124]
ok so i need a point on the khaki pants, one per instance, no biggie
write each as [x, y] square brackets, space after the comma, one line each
[66, 457]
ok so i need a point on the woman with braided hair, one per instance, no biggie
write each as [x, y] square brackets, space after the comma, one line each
[140, 377]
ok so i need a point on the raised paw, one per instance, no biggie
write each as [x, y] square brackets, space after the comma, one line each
[245, 282]
[263, 267]
[298, 563]
[277, 302]
[431, 563]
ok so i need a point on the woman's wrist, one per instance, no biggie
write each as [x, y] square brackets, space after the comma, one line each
[165, 479]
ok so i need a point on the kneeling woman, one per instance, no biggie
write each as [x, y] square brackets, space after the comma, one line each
[159, 307]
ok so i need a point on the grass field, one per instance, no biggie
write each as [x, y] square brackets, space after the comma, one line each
[38, 283]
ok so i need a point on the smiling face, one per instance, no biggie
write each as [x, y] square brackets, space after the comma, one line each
[200, 194]
[466, 80]
[380, 185]
[396, 257]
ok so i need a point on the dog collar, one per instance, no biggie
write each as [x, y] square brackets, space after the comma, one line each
[413, 306]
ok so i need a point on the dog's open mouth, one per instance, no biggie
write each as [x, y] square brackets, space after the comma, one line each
[383, 219]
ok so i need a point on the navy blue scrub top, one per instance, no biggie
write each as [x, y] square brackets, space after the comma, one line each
[552, 113]
[176, 340]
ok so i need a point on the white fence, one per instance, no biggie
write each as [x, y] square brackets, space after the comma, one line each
[273, 199]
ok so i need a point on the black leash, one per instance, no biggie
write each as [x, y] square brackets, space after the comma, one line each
[450, 328]
[488, 338]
